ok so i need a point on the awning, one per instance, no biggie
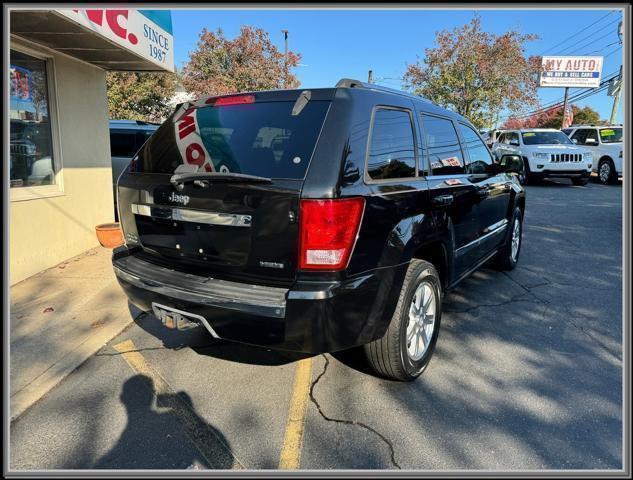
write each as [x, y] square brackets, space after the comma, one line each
[113, 39]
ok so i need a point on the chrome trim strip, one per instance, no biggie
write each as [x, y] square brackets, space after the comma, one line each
[203, 320]
[496, 225]
[189, 215]
[498, 228]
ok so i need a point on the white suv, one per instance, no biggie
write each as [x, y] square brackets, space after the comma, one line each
[606, 143]
[546, 152]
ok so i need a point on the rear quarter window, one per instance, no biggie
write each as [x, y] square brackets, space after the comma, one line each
[392, 145]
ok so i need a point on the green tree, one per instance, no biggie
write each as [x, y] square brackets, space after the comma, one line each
[249, 62]
[476, 73]
[140, 95]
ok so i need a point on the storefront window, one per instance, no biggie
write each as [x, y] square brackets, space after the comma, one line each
[31, 152]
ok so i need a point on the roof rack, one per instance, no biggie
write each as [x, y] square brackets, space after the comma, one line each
[352, 83]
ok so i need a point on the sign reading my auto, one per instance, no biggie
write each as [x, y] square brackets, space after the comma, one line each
[132, 29]
[581, 72]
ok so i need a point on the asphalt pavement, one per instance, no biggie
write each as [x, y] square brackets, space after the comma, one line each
[527, 375]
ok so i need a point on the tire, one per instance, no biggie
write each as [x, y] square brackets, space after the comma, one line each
[506, 258]
[606, 172]
[526, 177]
[389, 356]
[581, 182]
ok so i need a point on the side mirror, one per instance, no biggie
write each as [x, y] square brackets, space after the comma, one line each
[575, 140]
[511, 164]
[591, 141]
[514, 143]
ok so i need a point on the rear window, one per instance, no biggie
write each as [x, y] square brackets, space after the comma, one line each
[262, 139]
[611, 135]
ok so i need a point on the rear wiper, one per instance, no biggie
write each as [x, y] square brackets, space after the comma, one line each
[180, 179]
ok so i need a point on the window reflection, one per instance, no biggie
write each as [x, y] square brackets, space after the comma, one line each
[31, 155]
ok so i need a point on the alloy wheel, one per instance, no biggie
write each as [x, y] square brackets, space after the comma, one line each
[605, 172]
[516, 240]
[421, 323]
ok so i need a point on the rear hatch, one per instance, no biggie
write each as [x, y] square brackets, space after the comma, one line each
[215, 191]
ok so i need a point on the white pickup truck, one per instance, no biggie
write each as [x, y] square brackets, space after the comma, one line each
[546, 152]
[606, 143]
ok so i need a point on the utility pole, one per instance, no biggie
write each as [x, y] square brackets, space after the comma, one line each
[616, 90]
[285, 32]
[565, 108]
[370, 77]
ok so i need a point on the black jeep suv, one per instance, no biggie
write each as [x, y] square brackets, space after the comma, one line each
[315, 220]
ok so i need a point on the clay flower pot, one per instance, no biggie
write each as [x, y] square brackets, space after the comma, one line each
[109, 235]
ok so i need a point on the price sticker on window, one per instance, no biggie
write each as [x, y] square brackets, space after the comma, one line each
[451, 162]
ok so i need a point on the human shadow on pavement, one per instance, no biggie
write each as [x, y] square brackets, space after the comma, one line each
[201, 342]
[176, 438]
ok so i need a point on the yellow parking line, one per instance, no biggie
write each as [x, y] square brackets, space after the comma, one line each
[212, 448]
[291, 449]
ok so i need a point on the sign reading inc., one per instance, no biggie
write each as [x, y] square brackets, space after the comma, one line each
[130, 29]
[574, 72]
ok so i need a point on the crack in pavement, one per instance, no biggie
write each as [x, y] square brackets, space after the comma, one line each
[147, 349]
[548, 281]
[349, 422]
[568, 318]
[515, 299]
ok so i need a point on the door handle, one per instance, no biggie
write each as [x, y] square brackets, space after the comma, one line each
[443, 200]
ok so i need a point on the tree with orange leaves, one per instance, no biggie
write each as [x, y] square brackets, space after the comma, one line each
[476, 73]
[249, 62]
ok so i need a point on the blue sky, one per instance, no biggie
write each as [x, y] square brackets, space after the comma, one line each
[347, 43]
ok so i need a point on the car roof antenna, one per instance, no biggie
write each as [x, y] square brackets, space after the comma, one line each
[301, 102]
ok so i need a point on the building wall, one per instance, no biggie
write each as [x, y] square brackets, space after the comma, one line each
[46, 231]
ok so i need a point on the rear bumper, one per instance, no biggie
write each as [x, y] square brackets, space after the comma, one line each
[311, 317]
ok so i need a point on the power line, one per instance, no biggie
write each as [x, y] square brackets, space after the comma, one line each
[580, 97]
[575, 34]
[576, 49]
[609, 76]
[577, 96]
[582, 91]
[602, 48]
[559, 101]
[612, 51]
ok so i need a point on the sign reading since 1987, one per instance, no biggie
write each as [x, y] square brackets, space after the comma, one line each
[575, 72]
[130, 29]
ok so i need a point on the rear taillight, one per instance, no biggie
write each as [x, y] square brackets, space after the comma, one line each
[327, 232]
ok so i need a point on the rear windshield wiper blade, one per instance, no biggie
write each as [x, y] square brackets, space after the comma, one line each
[179, 179]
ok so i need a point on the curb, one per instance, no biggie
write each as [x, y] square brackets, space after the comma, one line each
[29, 395]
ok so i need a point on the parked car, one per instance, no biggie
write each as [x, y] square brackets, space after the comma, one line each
[378, 203]
[126, 138]
[493, 136]
[31, 161]
[546, 152]
[606, 144]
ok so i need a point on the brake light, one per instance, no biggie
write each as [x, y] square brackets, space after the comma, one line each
[327, 232]
[232, 100]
